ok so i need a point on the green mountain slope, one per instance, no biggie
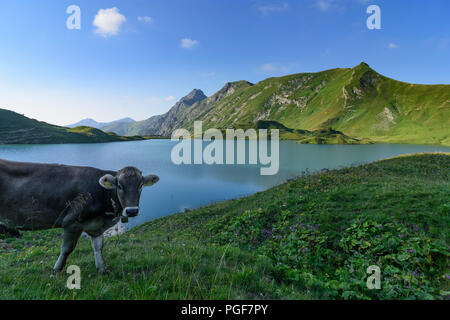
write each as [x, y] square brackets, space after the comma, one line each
[321, 136]
[18, 129]
[163, 124]
[188, 109]
[131, 129]
[358, 102]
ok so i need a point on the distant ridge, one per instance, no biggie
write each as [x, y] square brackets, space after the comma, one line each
[161, 125]
[18, 129]
[357, 102]
[98, 125]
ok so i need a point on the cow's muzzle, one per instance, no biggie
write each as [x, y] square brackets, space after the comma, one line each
[131, 212]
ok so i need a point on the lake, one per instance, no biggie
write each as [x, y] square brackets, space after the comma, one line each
[192, 186]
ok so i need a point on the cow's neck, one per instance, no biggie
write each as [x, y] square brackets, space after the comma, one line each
[115, 203]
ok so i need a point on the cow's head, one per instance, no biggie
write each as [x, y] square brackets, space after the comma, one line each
[128, 183]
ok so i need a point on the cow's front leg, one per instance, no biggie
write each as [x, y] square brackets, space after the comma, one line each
[70, 240]
[97, 246]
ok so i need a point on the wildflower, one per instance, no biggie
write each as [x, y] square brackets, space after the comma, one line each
[266, 232]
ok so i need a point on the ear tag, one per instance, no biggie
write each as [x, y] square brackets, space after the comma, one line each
[107, 184]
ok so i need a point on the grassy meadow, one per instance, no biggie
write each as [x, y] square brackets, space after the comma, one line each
[310, 238]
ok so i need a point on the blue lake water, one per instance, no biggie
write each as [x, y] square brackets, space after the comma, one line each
[192, 186]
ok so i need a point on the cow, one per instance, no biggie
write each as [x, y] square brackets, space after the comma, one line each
[77, 199]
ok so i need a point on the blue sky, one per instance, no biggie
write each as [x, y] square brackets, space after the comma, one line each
[140, 57]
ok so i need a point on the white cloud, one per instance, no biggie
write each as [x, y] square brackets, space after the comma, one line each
[324, 5]
[268, 67]
[189, 43]
[393, 46]
[170, 98]
[273, 8]
[108, 22]
[145, 19]
[273, 68]
[327, 5]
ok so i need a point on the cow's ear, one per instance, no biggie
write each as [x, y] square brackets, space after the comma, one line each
[108, 182]
[150, 180]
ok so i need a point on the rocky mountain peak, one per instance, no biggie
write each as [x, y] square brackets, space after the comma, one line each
[235, 84]
[230, 87]
[194, 96]
[362, 66]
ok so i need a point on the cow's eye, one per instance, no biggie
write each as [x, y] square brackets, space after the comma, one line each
[119, 186]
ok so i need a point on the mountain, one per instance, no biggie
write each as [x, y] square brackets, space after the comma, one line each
[189, 108]
[98, 125]
[358, 102]
[18, 129]
[162, 124]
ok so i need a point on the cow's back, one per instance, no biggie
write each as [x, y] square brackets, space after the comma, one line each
[37, 196]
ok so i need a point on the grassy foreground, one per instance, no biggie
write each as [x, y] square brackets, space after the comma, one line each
[310, 238]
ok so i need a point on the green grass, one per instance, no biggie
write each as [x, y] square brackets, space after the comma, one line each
[18, 129]
[310, 238]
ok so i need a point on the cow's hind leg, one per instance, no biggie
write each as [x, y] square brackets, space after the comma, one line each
[97, 246]
[69, 242]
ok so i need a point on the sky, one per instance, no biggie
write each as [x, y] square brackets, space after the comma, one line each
[135, 59]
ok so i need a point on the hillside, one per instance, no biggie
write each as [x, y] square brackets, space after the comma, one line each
[188, 109]
[98, 125]
[320, 136]
[358, 102]
[163, 124]
[310, 238]
[18, 129]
